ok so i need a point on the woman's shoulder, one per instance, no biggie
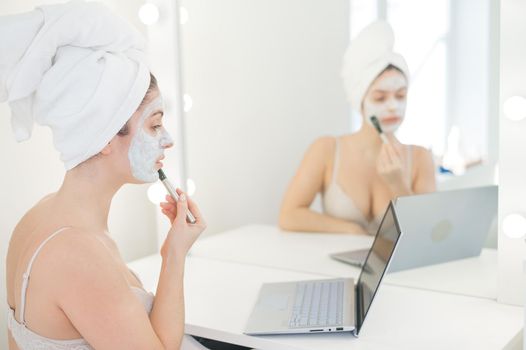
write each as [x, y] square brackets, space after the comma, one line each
[62, 242]
[76, 243]
[420, 151]
[324, 142]
[74, 254]
[328, 143]
[421, 155]
[36, 212]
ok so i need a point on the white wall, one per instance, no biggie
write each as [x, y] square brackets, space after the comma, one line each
[32, 169]
[264, 79]
[512, 252]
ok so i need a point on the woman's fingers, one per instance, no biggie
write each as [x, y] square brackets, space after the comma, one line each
[387, 151]
[170, 215]
[169, 199]
[194, 209]
[182, 208]
[394, 155]
[383, 159]
[169, 209]
[173, 206]
[167, 205]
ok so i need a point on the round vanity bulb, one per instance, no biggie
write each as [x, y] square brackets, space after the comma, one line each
[496, 175]
[514, 225]
[190, 187]
[187, 102]
[515, 108]
[149, 13]
[183, 15]
[157, 193]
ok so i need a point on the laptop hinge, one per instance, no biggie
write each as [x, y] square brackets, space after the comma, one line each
[358, 309]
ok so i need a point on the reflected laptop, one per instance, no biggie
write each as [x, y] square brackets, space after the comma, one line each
[330, 305]
[438, 227]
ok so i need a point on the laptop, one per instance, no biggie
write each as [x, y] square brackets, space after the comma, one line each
[438, 227]
[329, 305]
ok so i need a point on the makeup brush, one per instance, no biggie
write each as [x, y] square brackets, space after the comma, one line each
[378, 128]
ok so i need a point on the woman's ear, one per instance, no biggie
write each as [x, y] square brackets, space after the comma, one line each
[107, 149]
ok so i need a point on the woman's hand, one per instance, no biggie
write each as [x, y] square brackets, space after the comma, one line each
[392, 169]
[182, 234]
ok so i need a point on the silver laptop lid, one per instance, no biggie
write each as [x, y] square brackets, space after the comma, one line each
[376, 264]
[443, 226]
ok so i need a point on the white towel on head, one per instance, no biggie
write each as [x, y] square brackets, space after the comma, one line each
[76, 68]
[367, 56]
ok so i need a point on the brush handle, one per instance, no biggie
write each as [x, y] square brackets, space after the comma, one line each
[376, 123]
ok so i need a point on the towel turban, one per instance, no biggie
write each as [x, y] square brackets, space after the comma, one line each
[76, 68]
[367, 56]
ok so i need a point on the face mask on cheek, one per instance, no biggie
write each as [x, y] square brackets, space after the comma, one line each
[146, 149]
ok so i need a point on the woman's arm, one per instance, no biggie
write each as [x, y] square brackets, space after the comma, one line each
[425, 180]
[168, 312]
[295, 214]
[96, 297]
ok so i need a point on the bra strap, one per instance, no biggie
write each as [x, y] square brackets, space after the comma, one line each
[25, 277]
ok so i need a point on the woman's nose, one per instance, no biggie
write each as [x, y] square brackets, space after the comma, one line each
[166, 141]
[392, 104]
[167, 144]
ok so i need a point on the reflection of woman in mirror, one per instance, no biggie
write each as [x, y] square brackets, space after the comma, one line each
[358, 174]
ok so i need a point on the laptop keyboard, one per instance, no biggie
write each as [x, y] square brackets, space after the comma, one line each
[318, 303]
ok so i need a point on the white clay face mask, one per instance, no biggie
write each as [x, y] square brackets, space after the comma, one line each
[145, 149]
[390, 107]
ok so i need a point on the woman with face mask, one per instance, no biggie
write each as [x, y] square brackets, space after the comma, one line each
[358, 174]
[80, 70]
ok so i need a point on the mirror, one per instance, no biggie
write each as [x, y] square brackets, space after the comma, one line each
[264, 83]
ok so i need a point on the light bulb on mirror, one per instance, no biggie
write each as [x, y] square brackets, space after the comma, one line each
[157, 193]
[183, 15]
[187, 102]
[190, 187]
[514, 225]
[515, 108]
[148, 13]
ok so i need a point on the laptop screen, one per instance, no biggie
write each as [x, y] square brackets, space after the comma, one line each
[376, 263]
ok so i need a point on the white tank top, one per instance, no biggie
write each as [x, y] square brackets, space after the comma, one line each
[26, 339]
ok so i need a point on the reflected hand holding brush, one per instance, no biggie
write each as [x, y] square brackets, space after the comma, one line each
[376, 124]
[173, 193]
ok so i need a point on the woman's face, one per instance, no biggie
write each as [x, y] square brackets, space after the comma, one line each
[386, 99]
[149, 140]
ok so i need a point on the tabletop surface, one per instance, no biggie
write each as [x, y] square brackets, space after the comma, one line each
[219, 297]
[268, 246]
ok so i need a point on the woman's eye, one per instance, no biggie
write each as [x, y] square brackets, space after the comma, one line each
[156, 127]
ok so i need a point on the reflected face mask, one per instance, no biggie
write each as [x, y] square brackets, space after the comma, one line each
[391, 111]
[145, 149]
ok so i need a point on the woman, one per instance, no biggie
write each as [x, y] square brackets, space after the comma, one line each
[358, 174]
[81, 71]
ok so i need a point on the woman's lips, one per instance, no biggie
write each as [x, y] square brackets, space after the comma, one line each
[390, 120]
[158, 163]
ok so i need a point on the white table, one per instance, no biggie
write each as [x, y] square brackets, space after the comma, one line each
[268, 246]
[220, 295]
